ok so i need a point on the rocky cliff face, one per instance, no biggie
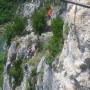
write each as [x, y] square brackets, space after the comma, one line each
[72, 70]
[19, 49]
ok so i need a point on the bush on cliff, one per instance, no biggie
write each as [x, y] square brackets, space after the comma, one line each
[39, 21]
[57, 39]
[15, 28]
[1, 68]
[8, 9]
[19, 25]
[56, 42]
[16, 72]
[32, 80]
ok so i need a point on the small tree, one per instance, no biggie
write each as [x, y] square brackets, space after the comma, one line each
[15, 28]
[19, 25]
[9, 33]
[57, 28]
[38, 21]
[2, 55]
[32, 79]
[17, 73]
[56, 42]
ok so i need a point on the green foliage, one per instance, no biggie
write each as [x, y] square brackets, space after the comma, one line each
[57, 2]
[56, 42]
[18, 1]
[57, 39]
[2, 41]
[15, 28]
[46, 3]
[53, 46]
[19, 25]
[8, 10]
[16, 72]
[1, 68]
[39, 21]
[57, 27]
[9, 33]
[32, 80]
[29, 1]
[35, 59]
[40, 46]
[49, 58]
[34, 72]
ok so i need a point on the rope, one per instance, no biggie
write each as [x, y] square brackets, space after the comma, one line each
[75, 3]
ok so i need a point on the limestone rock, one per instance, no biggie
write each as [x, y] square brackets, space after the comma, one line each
[75, 56]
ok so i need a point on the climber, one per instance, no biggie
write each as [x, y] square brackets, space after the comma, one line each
[30, 51]
[49, 12]
[26, 67]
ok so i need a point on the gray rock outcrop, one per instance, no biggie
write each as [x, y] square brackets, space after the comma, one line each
[75, 57]
[72, 70]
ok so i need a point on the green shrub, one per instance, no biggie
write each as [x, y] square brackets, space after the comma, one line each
[18, 1]
[39, 21]
[29, 1]
[34, 72]
[56, 42]
[57, 2]
[9, 33]
[40, 46]
[57, 39]
[19, 25]
[2, 40]
[49, 58]
[1, 68]
[53, 47]
[35, 59]
[57, 27]
[16, 72]
[15, 28]
[32, 80]
[7, 10]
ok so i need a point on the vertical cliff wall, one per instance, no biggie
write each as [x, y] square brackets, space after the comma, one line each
[73, 70]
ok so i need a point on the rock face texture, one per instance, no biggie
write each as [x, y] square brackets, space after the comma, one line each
[19, 49]
[73, 70]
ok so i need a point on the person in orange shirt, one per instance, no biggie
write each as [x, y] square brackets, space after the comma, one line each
[49, 12]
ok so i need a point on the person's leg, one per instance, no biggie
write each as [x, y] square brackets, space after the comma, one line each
[49, 17]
